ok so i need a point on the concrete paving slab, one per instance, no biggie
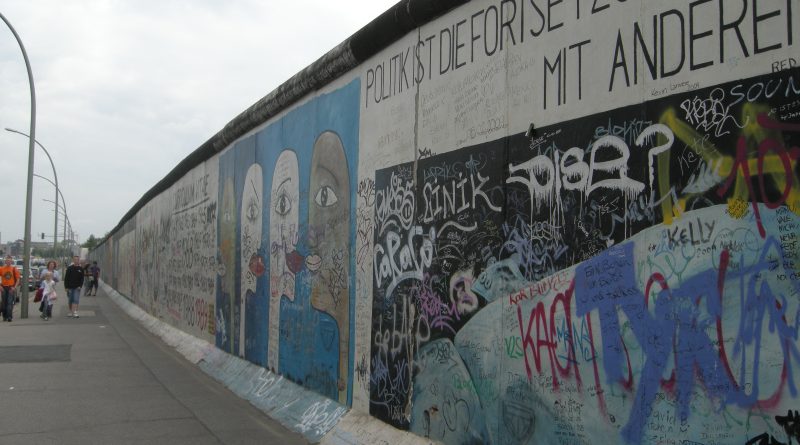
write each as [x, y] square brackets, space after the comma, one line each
[35, 353]
[120, 385]
[172, 431]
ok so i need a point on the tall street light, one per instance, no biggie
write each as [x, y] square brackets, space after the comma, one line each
[55, 175]
[66, 217]
[66, 222]
[63, 212]
[26, 272]
[64, 201]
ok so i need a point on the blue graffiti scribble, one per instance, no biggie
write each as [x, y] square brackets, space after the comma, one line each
[679, 324]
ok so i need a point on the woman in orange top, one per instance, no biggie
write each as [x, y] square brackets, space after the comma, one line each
[9, 279]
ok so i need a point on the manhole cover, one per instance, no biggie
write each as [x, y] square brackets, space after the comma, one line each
[35, 353]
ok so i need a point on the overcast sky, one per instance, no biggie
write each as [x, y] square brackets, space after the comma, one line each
[125, 89]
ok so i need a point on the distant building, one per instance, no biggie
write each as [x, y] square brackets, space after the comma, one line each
[17, 248]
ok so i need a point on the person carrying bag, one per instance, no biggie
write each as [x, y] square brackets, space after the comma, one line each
[48, 296]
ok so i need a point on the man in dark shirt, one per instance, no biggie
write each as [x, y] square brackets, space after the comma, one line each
[94, 277]
[73, 281]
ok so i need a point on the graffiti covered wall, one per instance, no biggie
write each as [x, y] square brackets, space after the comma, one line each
[513, 279]
[524, 222]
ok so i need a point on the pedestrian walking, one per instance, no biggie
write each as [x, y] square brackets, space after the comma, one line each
[51, 267]
[87, 278]
[94, 276]
[48, 295]
[9, 279]
[73, 281]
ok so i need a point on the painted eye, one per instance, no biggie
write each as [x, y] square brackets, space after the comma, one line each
[326, 197]
[252, 210]
[283, 204]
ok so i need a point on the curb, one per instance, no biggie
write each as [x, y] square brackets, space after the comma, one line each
[318, 418]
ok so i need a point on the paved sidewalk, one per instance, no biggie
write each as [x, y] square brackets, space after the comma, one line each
[103, 379]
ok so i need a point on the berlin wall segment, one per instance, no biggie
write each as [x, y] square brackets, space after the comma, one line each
[526, 222]
[506, 299]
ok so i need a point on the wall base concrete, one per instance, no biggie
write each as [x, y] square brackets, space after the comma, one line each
[319, 419]
[360, 428]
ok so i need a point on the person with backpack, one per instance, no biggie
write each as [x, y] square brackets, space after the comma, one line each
[9, 279]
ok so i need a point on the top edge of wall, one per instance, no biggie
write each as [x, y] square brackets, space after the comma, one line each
[396, 22]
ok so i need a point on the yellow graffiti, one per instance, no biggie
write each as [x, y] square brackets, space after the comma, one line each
[212, 320]
[772, 165]
[737, 208]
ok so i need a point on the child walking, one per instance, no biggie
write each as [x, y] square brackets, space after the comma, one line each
[48, 295]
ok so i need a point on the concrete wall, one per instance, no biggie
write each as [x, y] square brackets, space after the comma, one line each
[526, 221]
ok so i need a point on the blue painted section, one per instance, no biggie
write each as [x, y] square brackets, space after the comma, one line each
[308, 339]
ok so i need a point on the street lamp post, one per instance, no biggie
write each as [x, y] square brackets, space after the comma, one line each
[62, 207]
[62, 204]
[63, 212]
[29, 198]
[55, 176]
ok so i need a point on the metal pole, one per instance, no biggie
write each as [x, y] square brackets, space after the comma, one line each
[63, 204]
[65, 233]
[62, 207]
[64, 236]
[26, 272]
[66, 221]
[55, 176]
